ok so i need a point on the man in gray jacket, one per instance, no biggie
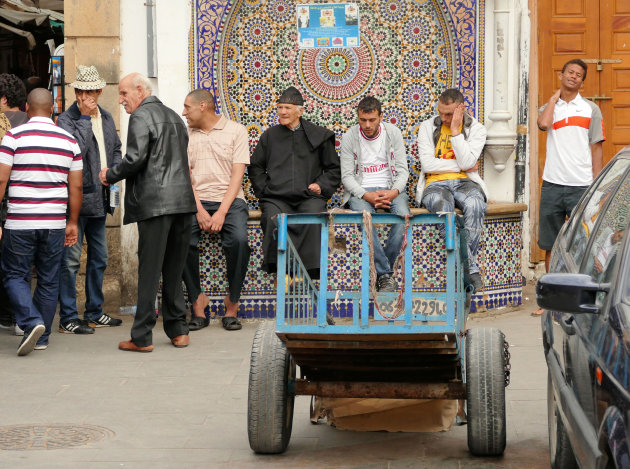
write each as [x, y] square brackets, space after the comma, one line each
[159, 197]
[95, 131]
[374, 173]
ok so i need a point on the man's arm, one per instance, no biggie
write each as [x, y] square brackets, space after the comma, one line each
[75, 198]
[399, 184]
[203, 217]
[80, 129]
[236, 182]
[330, 178]
[426, 152]
[257, 171]
[138, 139]
[348, 178]
[545, 118]
[597, 154]
[468, 151]
[5, 174]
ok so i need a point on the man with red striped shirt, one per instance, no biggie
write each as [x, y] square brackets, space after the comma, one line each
[43, 168]
[574, 152]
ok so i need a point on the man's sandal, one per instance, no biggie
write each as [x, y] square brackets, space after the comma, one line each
[231, 323]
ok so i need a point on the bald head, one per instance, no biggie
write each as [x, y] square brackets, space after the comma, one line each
[132, 90]
[39, 103]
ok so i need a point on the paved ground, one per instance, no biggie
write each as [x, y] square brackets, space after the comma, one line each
[186, 408]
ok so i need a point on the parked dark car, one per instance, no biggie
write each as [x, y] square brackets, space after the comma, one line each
[586, 327]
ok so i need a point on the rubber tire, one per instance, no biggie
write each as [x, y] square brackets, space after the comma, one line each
[560, 452]
[485, 391]
[270, 405]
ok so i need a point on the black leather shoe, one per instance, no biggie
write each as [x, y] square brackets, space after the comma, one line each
[197, 323]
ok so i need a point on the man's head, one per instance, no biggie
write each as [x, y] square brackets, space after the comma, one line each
[290, 107]
[573, 75]
[198, 107]
[39, 103]
[88, 83]
[132, 90]
[33, 82]
[12, 92]
[370, 116]
[449, 100]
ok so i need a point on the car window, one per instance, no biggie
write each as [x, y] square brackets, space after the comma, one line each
[586, 216]
[608, 236]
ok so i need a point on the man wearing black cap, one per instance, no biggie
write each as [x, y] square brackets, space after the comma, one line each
[294, 169]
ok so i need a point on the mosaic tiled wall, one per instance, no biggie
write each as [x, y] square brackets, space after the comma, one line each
[499, 262]
[245, 52]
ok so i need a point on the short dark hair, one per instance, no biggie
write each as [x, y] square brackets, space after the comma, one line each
[201, 94]
[13, 89]
[370, 104]
[452, 95]
[578, 62]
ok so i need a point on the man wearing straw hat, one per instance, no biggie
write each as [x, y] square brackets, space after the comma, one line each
[95, 131]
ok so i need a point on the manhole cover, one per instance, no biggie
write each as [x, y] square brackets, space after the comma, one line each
[34, 437]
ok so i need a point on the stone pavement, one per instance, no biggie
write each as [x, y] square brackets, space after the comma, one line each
[94, 406]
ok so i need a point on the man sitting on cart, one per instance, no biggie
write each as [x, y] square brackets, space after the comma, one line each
[294, 169]
[449, 147]
[374, 174]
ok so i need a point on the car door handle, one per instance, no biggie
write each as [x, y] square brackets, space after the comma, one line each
[567, 325]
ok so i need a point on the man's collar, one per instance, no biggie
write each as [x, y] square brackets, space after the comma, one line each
[220, 125]
[44, 120]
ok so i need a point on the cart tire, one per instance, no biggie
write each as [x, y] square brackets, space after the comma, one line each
[560, 452]
[270, 405]
[485, 390]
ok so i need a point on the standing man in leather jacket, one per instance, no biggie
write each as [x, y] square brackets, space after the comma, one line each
[160, 199]
[95, 131]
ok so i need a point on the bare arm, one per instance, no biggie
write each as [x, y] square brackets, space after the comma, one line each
[75, 198]
[598, 158]
[545, 119]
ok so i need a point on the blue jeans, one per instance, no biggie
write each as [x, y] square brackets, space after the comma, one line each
[444, 196]
[384, 258]
[20, 249]
[93, 229]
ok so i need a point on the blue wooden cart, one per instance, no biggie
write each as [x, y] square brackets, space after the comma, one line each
[410, 344]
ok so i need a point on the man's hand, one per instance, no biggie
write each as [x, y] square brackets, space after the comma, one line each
[102, 175]
[204, 219]
[555, 97]
[87, 104]
[381, 199]
[217, 222]
[0, 233]
[72, 234]
[474, 168]
[315, 188]
[458, 119]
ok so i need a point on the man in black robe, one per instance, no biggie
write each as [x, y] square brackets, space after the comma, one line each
[294, 169]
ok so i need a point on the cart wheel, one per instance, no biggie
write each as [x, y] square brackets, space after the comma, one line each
[270, 405]
[485, 389]
[560, 451]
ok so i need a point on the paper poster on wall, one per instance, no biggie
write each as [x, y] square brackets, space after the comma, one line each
[328, 25]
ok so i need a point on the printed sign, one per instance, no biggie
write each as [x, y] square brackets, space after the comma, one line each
[328, 25]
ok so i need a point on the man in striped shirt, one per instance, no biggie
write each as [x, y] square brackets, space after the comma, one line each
[43, 168]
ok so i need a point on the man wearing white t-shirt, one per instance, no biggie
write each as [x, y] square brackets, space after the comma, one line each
[574, 152]
[374, 172]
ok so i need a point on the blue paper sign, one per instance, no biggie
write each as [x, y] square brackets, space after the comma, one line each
[324, 25]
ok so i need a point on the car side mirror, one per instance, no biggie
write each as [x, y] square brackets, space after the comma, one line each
[569, 293]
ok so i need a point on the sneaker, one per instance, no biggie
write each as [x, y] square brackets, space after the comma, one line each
[18, 331]
[477, 283]
[30, 340]
[74, 326]
[105, 321]
[386, 283]
[40, 347]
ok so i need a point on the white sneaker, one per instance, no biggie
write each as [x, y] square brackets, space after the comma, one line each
[30, 341]
[18, 331]
[41, 347]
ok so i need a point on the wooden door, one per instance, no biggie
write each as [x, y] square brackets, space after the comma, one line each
[598, 32]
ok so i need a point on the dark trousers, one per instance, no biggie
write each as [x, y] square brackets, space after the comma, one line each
[162, 247]
[305, 238]
[6, 315]
[235, 247]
